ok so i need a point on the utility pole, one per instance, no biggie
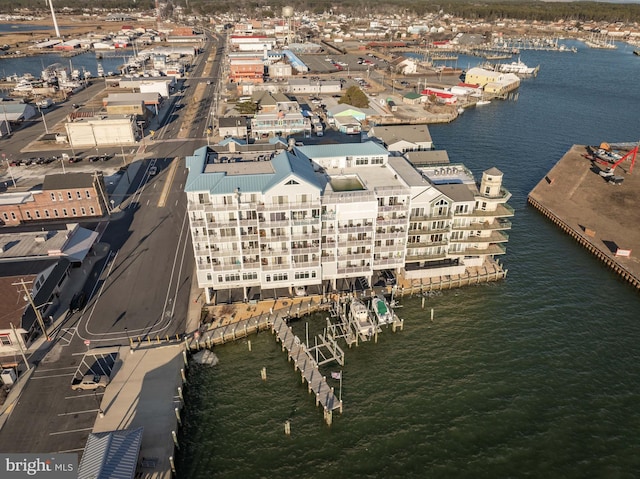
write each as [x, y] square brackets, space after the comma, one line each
[29, 298]
[19, 341]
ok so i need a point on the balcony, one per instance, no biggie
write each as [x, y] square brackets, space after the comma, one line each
[494, 237]
[305, 236]
[353, 269]
[274, 252]
[198, 223]
[426, 243]
[275, 267]
[355, 256]
[419, 257]
[433, 216]
[381, 221]
[328, 258]
[353, 242]
[288, 206]
[503, 195]
[388, 261]
[492, 249]
[391, 208]
[328, 216]
[247, 250]
[305, 221]
[502, 211]
[248, 222]
[498, 224]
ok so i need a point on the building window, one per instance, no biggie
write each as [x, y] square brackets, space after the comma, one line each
[28, 214]
[92, 210]
[88, 194]
[46, 213]
[5, 340]
[60, 195]
[6, 216]
[83, 211]
[64, 212]
[55, 213]
[53, 196]
[13, 215]
[37, 213]
[79, 195]
[209, 276]
[73, 211]
[69, 195]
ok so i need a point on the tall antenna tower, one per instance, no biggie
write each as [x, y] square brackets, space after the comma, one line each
[53, 15]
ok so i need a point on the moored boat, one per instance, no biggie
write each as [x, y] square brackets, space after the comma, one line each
[360, 316]
[382, 310]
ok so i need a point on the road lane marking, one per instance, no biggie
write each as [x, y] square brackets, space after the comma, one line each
[51, 376]
[57, 369]
[87, 411]
[71, 431]
[167, 186]
[84, 395]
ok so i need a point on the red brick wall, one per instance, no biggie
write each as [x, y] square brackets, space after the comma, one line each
[84, 202]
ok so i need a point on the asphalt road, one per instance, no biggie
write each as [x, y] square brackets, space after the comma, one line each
[140, 289]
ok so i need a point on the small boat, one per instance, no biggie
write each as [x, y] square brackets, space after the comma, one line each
[460, 110]
[636, 52]
[360, 315]
[382, 310]
[482, 102]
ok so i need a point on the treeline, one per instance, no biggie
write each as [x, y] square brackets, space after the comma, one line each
[488, 10]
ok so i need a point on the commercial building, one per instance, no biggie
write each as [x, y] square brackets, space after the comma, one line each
[101, 130]
[323, 217]
[73, 195]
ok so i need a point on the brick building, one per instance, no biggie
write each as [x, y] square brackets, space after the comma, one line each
[63, 196]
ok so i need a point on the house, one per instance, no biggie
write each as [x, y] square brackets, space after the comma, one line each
[403, 138]
[235, 126]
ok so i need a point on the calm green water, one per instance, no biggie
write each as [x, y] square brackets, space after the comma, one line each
[536, 376]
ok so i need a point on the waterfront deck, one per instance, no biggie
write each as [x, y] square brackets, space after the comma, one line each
[599, 215]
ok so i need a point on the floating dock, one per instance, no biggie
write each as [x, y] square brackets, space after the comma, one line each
[600, 215]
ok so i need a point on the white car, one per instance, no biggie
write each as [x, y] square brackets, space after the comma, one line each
[91, 382]
[153, 170]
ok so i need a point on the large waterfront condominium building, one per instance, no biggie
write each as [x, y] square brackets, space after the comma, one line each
[317, 216]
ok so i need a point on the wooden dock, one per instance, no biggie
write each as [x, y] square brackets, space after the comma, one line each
[304, 361]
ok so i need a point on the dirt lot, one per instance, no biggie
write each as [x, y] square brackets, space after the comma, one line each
[70, 26]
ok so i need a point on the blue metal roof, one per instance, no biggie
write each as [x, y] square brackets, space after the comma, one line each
[284, 164]
[343, 149]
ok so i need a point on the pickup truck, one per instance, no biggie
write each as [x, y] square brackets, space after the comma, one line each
[90, 382]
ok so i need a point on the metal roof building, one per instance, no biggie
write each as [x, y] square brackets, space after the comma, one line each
[112, 455]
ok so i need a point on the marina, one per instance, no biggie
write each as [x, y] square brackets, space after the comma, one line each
[498, 380]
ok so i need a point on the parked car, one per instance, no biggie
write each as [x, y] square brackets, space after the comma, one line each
[75, 159]
[93, 158]
[91, 382]
[389, 277]
[78, 301]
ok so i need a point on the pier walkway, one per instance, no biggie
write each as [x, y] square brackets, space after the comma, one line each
[304, 362]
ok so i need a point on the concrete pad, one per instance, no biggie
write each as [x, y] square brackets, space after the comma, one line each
[143, 392]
